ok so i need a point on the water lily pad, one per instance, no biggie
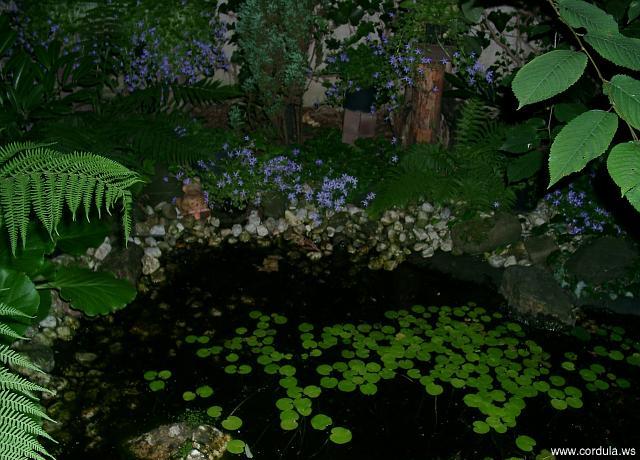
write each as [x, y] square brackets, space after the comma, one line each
[368, 389]
[525, 443]
[236, 446]
[232, 357]
[188, 396]
[346, 386]
[434, 389]
[321, 421]
[214, 411]
[232, 423]
[150, 375]
[244, 369]
[164, 374]
[204, 391]
[289, 424]
[340, 435]
[287, 370]
[481, 427]
[312, 391]
[324, 369]
[559, 404]
[329, 382]
[157, 385]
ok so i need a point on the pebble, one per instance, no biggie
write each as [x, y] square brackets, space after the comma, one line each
[236, 230]
[49, 322]
[157, 230]
[153, 251]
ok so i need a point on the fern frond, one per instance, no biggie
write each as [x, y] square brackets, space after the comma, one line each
[45, 180]
[10, 357]
[6, 310]
[10, 381]
[20, 403]
[13, 419]
[9, 332]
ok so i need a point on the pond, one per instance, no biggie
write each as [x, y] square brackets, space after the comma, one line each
[330, 360]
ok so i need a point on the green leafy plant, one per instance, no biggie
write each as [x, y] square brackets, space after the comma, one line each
[20, 414]
[470, 174]
[590, 134]
[35, 177]
[274, 39]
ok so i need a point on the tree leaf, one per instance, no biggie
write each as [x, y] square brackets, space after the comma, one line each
[567, 111]
[17, 291]
[521, 138]
[548, 75]
[525, 166]
[95, 293]
[578, 13]
[624, 166]
[621, 50]
[634, 10]
[584, 138]
[624, 94]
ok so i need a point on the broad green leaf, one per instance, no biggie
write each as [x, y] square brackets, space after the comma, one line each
[624, 166]
[30, 259]
[521, 139]
[525, 166]
[340, 435]
[567, 111]
[621, 50]
[586, 137]
[471, 13]
[578, 13]
[17, 291]
[634, 10]
[548, 75]
[76, 237]
[624, 94]
[95, 293]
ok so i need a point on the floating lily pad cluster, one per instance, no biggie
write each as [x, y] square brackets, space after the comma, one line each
[157, 379]
[489, 361]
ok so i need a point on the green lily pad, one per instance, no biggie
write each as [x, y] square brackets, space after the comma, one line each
[157, 385]
[340, 435]
[204, 391]
[214, 411]
[188, 396]
[150, 375]
[321, 421]
[525, 443]
[312, 391]
[288, 424]
[236, 446]
[481, 427]
[164, 374]
[232, 423]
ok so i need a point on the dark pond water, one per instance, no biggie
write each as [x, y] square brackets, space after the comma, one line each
[212, 294]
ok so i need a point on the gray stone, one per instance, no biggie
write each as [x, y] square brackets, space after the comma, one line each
[149, 264]
[236, 230]
[124, 263]
[86, 358]
[603, 259]
[103, 250]
[157, 230]
[535, 294]
[166, 441]
[540, 247]
[169, 211]
[49, 322]
[153, 252]
[480, 235]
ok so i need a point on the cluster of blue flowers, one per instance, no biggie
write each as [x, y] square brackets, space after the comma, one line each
[581, 214]
[148, 61]
[240, 177]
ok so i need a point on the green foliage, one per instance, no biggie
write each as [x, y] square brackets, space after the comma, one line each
[274, 37]
[95, 293]
[20, 414]
[470, 174]
[430, 22]
[589, 135]
[37, 177]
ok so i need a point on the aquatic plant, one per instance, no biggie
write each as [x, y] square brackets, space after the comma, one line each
[490, 360]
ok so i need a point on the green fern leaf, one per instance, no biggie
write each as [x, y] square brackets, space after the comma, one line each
[10, 357]
[21, 404]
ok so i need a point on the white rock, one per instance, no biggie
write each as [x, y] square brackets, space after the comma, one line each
[446, 245]
[180, 227]
[49, 322]
[428, 252]
[236, 230]
[150, 241]
[496, 261]
[427, 207]
[262, 231]
[251, 228]
[157, 230]
[510, 261]
[149, 264]
[331, 232]
[420, 234]
[254, 218]
[445, 213]
[433, 236]
[153, 251]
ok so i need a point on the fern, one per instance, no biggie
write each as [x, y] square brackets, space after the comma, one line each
[20, 413]
[36, 177]
[472, 173]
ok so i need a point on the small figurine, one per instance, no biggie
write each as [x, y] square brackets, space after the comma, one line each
[193, 202]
